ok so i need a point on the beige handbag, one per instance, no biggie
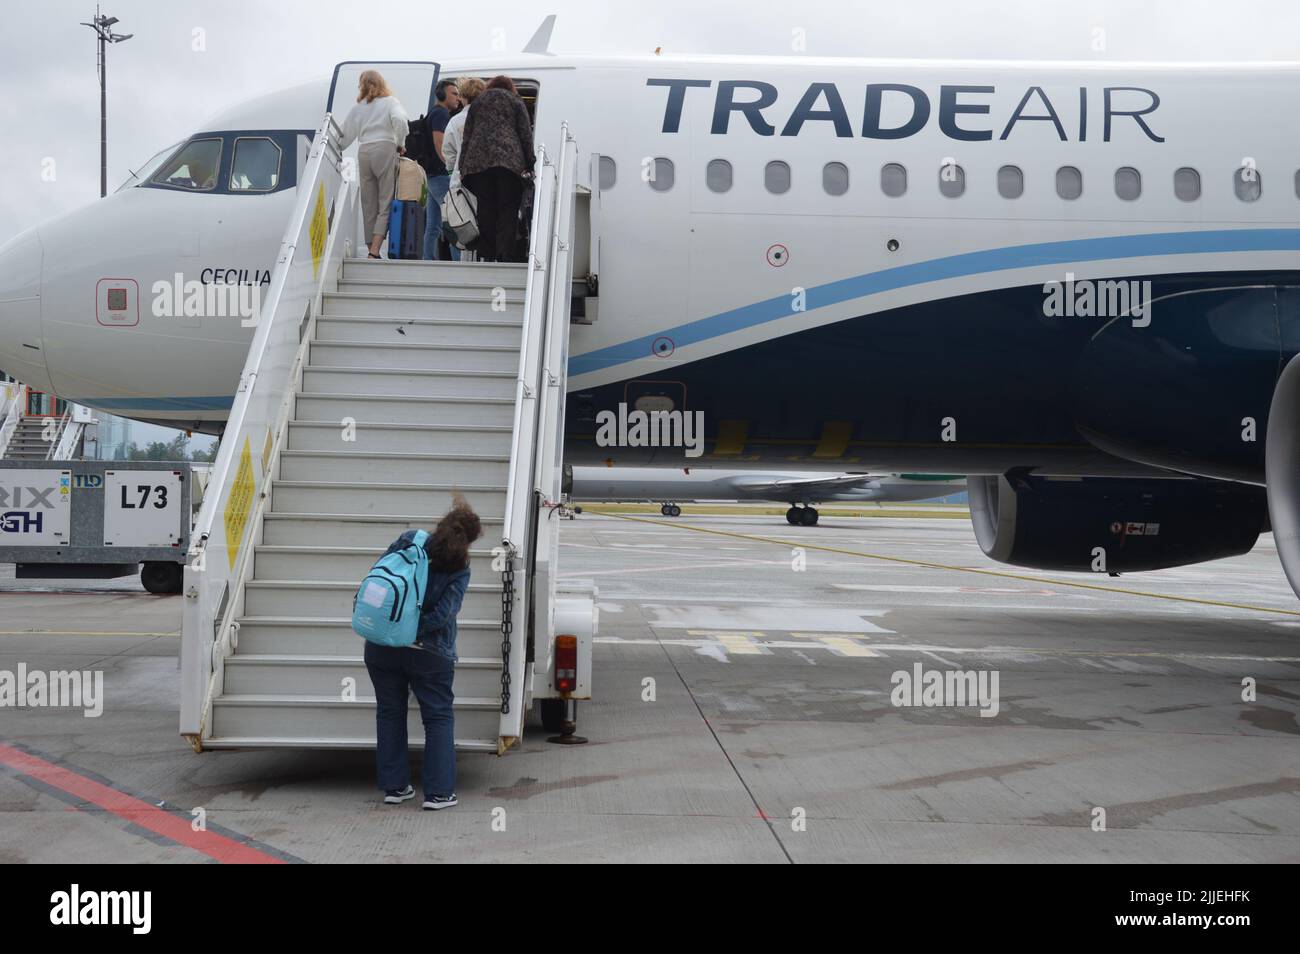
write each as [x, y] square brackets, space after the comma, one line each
[410, 180]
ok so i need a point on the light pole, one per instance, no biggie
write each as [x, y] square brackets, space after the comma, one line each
[103, 27]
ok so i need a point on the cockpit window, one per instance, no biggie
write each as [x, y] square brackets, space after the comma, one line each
[256, 166]
[193, 168]
[143, 172]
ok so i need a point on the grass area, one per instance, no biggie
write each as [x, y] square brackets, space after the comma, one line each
[938, 511]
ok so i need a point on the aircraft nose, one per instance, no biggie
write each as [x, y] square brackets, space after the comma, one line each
[21, 348]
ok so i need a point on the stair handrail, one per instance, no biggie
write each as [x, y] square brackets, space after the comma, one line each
[57, 441]
[519, 476]
[545, 322]
[555, 357]
[11, 412]
[317, 237]
[69, 437]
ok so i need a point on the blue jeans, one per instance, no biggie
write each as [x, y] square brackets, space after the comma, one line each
[438, 186]
[395, 672]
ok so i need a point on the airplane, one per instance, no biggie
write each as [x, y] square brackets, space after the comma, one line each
[1074, 282]
[800, 489]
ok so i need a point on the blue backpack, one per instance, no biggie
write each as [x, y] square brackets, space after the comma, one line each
[386, 609]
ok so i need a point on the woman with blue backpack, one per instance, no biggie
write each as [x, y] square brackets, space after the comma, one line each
[406, 609]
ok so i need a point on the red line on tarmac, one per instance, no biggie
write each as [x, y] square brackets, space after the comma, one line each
[138, 812]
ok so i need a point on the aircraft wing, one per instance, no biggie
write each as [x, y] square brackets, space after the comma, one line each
[801, 488]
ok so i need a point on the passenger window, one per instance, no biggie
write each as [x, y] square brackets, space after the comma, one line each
[1069, 182]
[661, 175]
[1246, 183]
[1128, 183]
[717, 175]
[1297, 183]
[608, 173]
[835, 178]
[776, 176]
[1187, 184]
[1011, 182]
[256, 166]
[893, 179]
[952, 180]
[194, 167]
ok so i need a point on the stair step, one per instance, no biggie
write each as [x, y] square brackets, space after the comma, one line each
[414, 742]
[436, 331]
[333, 636]
[510, 292]
[399, 271]
[398, 409]
[384, 382]
[311, 675]
[401, 438]
[474, 306]
[310, 721]
[310, 598]
[413, 357]
[363, 465]
[345, 562]
[359, 530]
[355, 497]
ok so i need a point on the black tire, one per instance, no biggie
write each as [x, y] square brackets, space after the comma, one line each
[674, 511]
[664, 510]
[162, 578]
[809, 516]
[552, 713]
[793, 517]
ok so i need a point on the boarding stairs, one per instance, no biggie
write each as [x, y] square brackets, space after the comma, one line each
[401, 383]
[36, 436]
[413, 353]
[28, 441]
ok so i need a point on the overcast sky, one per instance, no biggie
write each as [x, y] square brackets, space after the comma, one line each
[160, 86]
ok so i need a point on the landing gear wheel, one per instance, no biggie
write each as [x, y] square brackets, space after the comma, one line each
[674, 510]
[809, 516]
[162, 578]
[665, 510]
[793, 517]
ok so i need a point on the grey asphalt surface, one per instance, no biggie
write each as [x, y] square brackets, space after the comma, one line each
[743, 712]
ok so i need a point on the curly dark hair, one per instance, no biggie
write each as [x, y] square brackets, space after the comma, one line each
[448, 545]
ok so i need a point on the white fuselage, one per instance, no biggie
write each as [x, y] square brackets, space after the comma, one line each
[708, 270]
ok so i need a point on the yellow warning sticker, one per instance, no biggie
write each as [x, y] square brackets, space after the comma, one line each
[319, 228]
[240, 504]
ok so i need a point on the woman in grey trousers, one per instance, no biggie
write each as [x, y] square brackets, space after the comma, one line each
[379, 124]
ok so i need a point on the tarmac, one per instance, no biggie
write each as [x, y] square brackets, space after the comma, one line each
[744, 683]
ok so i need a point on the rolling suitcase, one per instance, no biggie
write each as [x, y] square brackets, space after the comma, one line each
[406, 223]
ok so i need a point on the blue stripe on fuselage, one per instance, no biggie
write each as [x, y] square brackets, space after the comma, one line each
[940, 269]
[214, 403]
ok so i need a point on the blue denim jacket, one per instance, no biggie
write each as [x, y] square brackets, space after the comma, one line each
[443, 595]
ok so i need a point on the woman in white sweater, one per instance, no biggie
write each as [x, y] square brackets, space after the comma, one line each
[379, 124]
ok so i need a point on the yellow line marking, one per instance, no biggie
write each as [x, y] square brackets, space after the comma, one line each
[842, 645]
[962, 569]
[72, 632]
[734, 642]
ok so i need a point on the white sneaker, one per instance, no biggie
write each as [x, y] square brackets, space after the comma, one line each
[396, 797]
[437, 803]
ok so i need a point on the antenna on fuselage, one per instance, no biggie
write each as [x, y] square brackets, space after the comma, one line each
[542, 38]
